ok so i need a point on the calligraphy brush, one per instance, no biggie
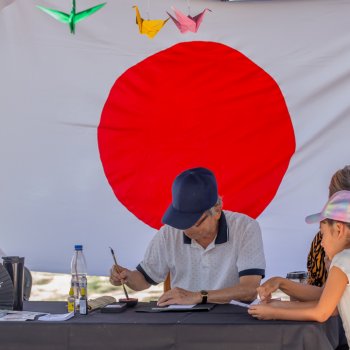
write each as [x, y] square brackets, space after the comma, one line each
[116, 266]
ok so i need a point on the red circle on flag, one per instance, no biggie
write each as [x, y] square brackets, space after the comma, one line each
[195, 104]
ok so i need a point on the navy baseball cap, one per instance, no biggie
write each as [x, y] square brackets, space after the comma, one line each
[193, 192]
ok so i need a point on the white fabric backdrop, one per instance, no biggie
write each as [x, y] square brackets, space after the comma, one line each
[53, 192]
[4, 3]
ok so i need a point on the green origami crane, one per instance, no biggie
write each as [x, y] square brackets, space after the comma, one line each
[73, 17]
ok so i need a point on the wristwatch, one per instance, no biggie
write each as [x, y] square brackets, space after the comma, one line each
[204, 295]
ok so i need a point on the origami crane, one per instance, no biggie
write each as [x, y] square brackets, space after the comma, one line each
[73, 17]
[187, 23]
[147, 26]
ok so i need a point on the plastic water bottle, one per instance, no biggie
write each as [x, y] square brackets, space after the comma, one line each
[79, 272]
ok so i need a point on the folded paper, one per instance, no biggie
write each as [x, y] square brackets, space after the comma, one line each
[149, 27]
[187, 23]
[71, 18]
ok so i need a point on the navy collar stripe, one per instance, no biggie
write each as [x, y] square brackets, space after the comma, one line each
[222, 236]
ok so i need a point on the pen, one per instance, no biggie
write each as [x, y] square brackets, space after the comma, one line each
[116, 266]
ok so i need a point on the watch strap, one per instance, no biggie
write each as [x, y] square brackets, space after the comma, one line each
[204, 295]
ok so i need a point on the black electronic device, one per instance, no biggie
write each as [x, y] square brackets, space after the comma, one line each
[114, 308]
[6, 289]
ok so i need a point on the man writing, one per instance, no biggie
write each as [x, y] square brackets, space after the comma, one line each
[212, 255]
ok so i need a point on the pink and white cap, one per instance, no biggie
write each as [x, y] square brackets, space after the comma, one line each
[337, 208]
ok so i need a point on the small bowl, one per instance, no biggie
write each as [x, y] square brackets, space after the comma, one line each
[129, 302]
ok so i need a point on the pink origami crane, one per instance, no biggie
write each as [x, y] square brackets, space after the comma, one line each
[187, 23]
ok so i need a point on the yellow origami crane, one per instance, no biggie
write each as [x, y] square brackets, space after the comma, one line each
[147, 26]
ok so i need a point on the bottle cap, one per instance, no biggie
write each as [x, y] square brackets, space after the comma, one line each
[78, 247]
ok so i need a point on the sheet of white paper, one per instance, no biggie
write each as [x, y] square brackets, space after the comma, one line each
[14, 317]
[235, 302]
[10, 315]
[29, 313]
[174, 307]
[113, 306]
[181, 306]
[57, 317]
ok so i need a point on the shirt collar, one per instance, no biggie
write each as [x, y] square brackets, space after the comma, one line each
[222, 236]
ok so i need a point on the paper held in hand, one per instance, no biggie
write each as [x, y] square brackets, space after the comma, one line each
[235, 302]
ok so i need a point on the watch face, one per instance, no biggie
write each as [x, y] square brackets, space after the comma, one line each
[204, 293]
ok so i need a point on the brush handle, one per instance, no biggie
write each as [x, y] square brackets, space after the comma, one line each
[116, 266]
[125, 292]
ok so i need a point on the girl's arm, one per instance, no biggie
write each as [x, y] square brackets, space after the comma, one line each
[302, 292]
[333, 291]
[297, 305]
[291, 304]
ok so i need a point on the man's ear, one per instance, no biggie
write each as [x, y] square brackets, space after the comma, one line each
[218, 211]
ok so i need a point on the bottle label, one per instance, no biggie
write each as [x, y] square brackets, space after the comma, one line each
[83, 307]
[71, 306]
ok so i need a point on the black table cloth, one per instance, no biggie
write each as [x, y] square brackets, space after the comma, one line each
[224, 327]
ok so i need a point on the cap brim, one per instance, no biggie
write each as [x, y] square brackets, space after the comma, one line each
[180, 220]
[312, 219]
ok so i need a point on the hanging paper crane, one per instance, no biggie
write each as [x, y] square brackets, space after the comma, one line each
[73, 17]
[149, 27]
[187, 23]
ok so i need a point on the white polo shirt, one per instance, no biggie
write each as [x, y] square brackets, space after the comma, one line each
[236, 251]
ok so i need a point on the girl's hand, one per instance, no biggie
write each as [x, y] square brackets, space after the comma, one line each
[262, 311]
[267, 288]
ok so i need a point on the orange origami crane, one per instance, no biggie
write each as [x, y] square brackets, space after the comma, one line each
[187, 23]
[147, 26]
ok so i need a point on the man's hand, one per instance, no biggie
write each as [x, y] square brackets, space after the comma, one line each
[267, 288]
[179, 296]
[116, 278]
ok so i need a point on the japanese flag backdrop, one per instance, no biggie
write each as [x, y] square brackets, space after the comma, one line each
[95, 126]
